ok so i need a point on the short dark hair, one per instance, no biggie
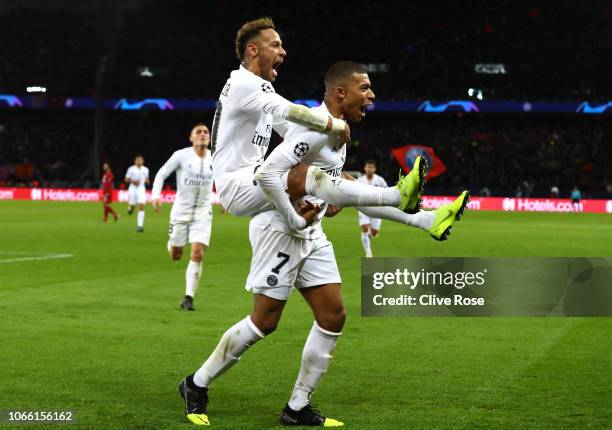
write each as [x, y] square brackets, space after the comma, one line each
[138, 155]
[249, 31]
[341, 71]
[370, 161]
[198, 124]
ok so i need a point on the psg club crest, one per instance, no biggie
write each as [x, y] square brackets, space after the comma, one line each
[301, 149]
[272, 280]
[406, 155]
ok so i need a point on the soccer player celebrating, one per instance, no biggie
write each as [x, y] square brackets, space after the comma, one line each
[370, 226]
[284, 258]
[107, 192]
[137, 176]
[191, 215]
[249, 109]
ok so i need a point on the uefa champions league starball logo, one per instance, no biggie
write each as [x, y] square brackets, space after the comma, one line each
[301, 149]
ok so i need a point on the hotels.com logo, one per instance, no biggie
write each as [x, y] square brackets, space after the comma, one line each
[509, 204]
[36, 194]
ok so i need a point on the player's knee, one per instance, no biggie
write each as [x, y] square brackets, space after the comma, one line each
[266, 325]
[176, 253]
[333, 320]
[197, 255]
[365, 228]
[373, 232]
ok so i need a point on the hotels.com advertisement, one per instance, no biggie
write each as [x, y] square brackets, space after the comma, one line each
[510, 204]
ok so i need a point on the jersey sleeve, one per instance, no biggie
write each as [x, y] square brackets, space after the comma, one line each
[269, 176]
[382, 181]
[128, 174]
[257, 96]
[261, 97]
[166, 170]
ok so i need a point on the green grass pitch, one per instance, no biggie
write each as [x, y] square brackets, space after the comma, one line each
[100, 332]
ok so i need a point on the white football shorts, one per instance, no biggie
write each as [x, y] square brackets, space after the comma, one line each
[241, 196]
[281, 261]
[183, 232]
[374, 222]
[137, 196]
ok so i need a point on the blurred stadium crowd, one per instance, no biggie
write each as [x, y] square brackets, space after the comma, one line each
[491, 155]
[540, 50]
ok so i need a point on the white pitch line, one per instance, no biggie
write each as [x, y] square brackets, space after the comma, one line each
[41, 257]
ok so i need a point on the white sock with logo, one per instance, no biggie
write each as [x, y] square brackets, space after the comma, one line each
[345, 193]
[141, 215]
[234, 342]
[192, 277]
[316, 358]
[421, 219]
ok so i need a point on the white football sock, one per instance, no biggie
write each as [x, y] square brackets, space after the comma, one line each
[232, 345]
[421, 219]
[316, 358]
[345, 193]
[192, 277]
[169, 247]
[141, 218]
[365, 241]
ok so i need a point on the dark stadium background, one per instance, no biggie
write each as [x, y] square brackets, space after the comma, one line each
[553, 51]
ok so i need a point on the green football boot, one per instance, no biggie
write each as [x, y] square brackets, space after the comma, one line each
[411, 186]
[446, 215]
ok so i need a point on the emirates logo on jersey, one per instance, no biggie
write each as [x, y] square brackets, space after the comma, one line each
[267, 88]
[301, 149]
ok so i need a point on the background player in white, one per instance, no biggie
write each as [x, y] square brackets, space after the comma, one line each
[284, 258]
[191, 215]
[137, 176]
[369, 226]
[247, 111]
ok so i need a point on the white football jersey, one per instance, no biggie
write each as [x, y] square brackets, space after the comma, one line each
[376, 181]
[247, 111]
[140, 174]
[303, 145]
[194, 178]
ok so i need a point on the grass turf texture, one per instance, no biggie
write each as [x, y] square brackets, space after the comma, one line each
[100, 333]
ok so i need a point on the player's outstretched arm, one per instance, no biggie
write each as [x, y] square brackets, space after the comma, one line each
[158, 183]
[269, 178]
[266, 99]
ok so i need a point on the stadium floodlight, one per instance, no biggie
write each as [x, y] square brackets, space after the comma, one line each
[36, 89]
[145, 72]
[475, 92]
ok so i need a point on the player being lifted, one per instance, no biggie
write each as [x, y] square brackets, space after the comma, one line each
[107, 192]
[247, 111]
[191, 215]
[284, 258]
[137, 176]
[370, 226]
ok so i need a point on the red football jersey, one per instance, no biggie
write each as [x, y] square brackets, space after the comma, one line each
[107, 182]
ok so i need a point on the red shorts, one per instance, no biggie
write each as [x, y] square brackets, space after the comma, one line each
[107, 198]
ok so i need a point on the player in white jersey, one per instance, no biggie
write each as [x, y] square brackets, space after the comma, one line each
[249, 109]
[284, 258]
[137, 176]
[370, 226]
[191, 215]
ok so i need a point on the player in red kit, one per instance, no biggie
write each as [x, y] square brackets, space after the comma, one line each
[107, 192]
